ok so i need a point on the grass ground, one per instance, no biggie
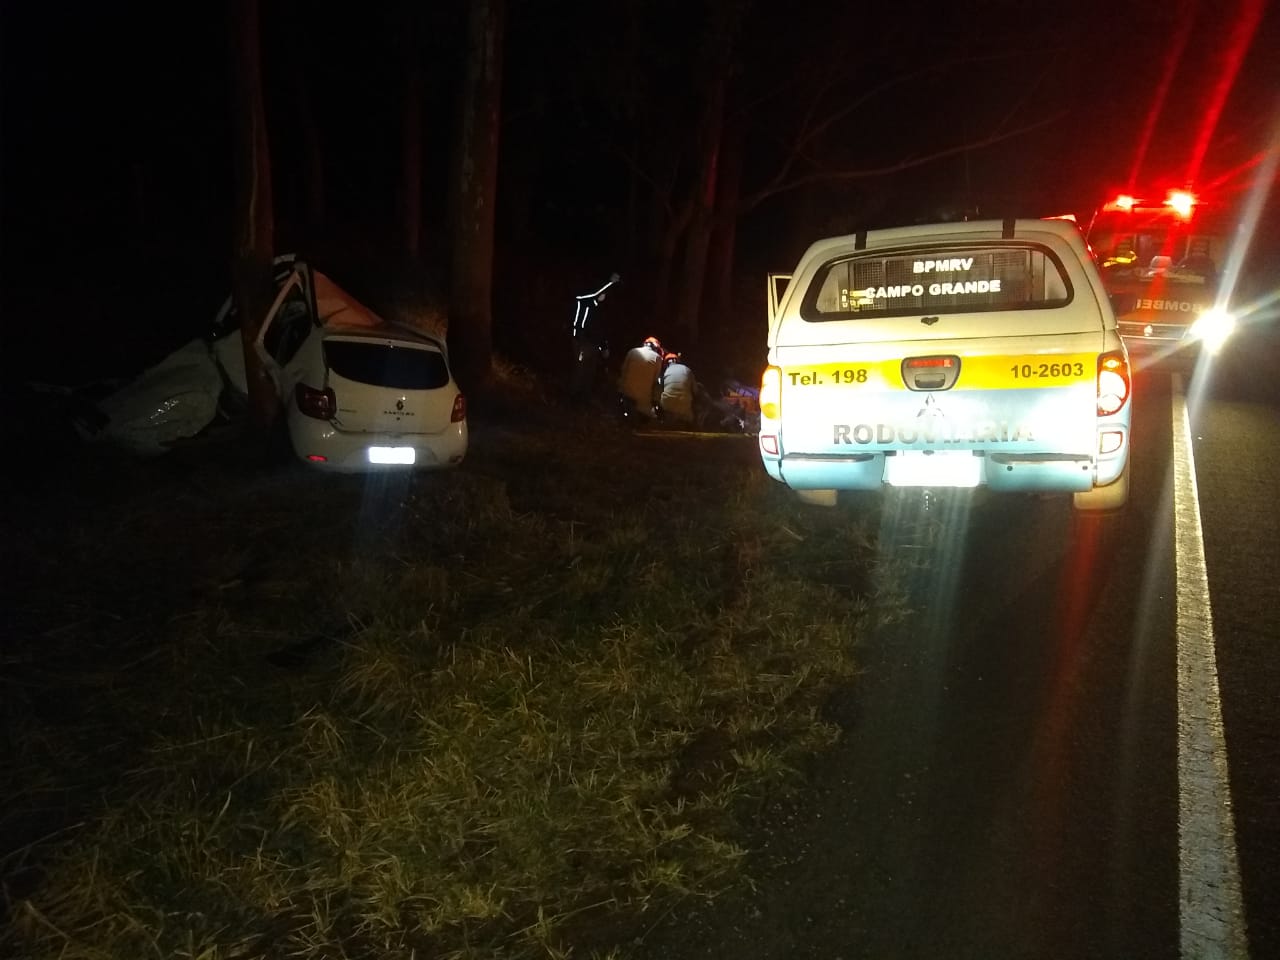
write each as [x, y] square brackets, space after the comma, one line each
[507, 711]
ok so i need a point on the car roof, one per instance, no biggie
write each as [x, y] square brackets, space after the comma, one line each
[336, 308]
[340, 313]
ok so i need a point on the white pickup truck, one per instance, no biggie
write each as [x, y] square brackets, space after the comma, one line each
[948, 355]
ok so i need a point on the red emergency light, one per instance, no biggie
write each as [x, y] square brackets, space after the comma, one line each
[1182, 202]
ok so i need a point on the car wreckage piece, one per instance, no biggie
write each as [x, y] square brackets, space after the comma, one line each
[175, 398]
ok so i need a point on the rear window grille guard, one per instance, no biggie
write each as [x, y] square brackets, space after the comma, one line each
[941, 280]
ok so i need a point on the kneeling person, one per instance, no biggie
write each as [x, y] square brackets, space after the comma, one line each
[638, 380]
[678, 389]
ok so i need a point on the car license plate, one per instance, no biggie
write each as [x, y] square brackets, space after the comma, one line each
[391, 455]
[945, 468]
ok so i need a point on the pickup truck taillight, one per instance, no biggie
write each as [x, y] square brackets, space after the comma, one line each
[1113, 382]
[771, 394]
[321, 404]
[770, 409]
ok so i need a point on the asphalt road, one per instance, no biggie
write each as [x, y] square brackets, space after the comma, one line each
[1240, 508]
[1008, 785]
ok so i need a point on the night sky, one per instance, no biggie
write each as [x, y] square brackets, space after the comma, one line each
[117, 151]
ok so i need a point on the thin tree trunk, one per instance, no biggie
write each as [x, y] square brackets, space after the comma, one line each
[475, 192]
[689, 301]
[719, 298]
[295, 43]
[668, 243]
[251, 275]
[411, 156]
[312, 155]
[140, 206]
[694, 269]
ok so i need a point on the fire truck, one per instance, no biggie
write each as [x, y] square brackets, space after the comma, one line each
[1160, 258]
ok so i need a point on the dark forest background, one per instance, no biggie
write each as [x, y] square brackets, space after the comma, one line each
[691, 146]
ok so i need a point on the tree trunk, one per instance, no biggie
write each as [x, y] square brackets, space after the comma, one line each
[719, 297]
[312, 156]
[475, 192]
[309, 202]
[140, 206]
[688, 312]
[668, 243]
[693, 275]
[411, 156]
[251, 274]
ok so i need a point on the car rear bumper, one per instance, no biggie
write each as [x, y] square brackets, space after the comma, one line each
[328, 449]
[1060, 473]
[1151, 344]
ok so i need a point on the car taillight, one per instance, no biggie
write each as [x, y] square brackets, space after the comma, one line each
[321, 404]
[459, 409]
[1113, 382]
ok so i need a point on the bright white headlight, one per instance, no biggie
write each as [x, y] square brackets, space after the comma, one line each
[1213, 328]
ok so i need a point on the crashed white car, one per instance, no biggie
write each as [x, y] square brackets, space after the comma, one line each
[359, 392]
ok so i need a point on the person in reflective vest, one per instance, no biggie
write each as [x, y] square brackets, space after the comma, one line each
[677, 390]
[638, 379]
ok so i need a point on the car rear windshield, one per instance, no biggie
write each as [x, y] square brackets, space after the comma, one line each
[953, 279]
[387, 365]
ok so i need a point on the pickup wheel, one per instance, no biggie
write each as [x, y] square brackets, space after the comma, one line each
[1105, 499]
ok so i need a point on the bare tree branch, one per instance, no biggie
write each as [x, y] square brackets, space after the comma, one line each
[901, 79]
[663, 191]
[830, 176]
[809, 131]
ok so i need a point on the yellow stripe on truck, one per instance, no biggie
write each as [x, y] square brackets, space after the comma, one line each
[1028, 370]
[1011, 372]
[880, 375]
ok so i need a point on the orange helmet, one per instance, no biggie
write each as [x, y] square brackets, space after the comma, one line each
[653, 343]
[670, 357]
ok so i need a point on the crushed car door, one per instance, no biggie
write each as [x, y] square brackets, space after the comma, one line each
[226, 321]
[289, 326]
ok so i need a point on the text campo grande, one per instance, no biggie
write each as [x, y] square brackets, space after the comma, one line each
[942, 289]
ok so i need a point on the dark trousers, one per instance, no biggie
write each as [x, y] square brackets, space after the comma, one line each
[582, 375]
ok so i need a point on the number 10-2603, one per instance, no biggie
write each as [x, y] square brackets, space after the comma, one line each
[1039, 371]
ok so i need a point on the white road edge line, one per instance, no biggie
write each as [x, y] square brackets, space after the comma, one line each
[1210, 910]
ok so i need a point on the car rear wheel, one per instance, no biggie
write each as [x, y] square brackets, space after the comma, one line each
[1104, 499]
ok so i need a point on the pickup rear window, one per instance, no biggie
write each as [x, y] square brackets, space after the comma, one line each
[386, 365]
[951, 279]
